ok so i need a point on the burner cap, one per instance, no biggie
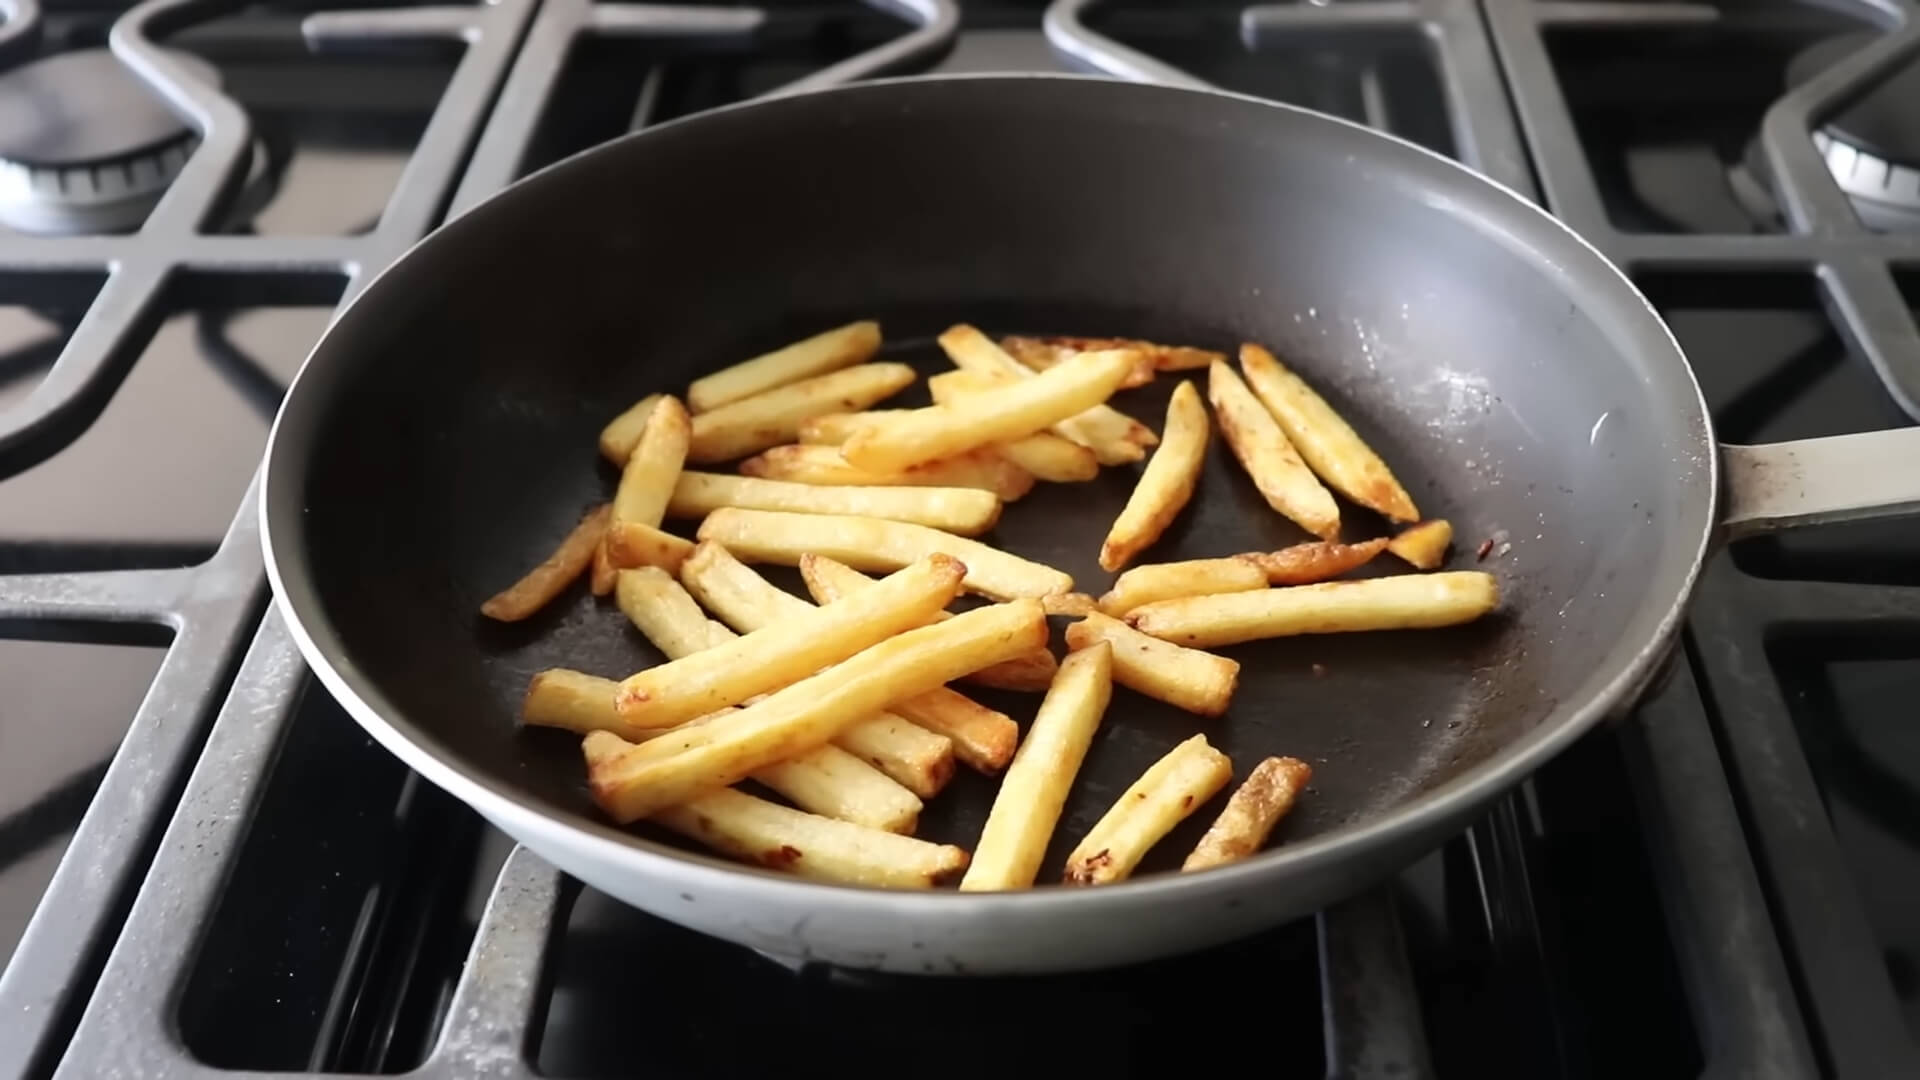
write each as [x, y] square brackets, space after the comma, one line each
[85, 146]
[1873, 147]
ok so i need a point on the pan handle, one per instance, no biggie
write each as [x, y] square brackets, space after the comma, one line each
[1874, 474]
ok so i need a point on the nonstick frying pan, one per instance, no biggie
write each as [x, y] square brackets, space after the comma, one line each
[441, 439]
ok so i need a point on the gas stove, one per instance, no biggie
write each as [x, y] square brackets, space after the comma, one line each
[206, 868]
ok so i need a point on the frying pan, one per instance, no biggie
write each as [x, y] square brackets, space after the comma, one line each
[441, 439]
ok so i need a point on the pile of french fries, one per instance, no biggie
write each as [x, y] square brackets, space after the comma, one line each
[843, 703]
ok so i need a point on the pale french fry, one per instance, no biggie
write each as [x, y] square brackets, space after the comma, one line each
[832, 429]
[997, 414]
[1196, 681]
[1409, 602]
[632, 543]
[875, 545]
[1326, 442]
[1039, 354]
[1304, 564]
[808, 464]
[666, 614]
[544, 582]
[1027, 806]
[1424, 545]
[622, 433]
[829, 580]
[1112, 435]
[1113, 438]
[1043, 455]
[1269, 458]
[1191, 577]
[779, 655]
[752, 424]
[806, 845]
[1165, 794]
[843, 346]
[1160, 357]
[964, 511]
[1071, 603]
[669, 771]
[1165, 484]
[1252, 812]
[648, 480]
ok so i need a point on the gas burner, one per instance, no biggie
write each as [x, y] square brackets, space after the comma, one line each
[85, 146]
[1872, 147]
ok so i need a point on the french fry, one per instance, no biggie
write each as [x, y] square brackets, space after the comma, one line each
[828, 581]
[1043, 455]
[1069, 603]
[777, 656]
[964, 511]
[875, 545]
[1304, 564]
[752, 424]
[843, 346]
[1196, 681]
[669, 771]
[632, 543]
[647, 481]
[998, 414]
[1326, 442]
[1269, 458]
[1173, 787]
[1165, 484]
[666, 614]
[1114, 437]
[544, 582]
[835, 428]
[1408, 602]
[1027, 806]
[807, 464]
[603, 575]
[622, 433]
[1039, 354]
[1191, 577]
[1045, 350]
[1424, 546]
[1252, 812]
[805, 845]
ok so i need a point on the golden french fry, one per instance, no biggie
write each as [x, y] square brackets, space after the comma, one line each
[1252, 812]
[965, 511]
[998, 414]
[984, 739]
[1196, 681]
[918, 759]
[622, 433]
[1165, 484]
[854, 343]
[1410, 602]
[1027, 807]
[647, 482]
[669, 771]
[1112, 435]
[1113, 438]
[780, 655]
[828, 581]
[1071, 603]
[875, 545]
[1326, 442]
[1165, 794]
[832, 429]
[1159, 357]
[1275, 466]
[603, 574]
[544, 582]
[806, 845]
[1039, 354]
[1423, 545]
[631, 543]
[1304, 564]
[1191, 577]
[809, 464]
[752, 424]
[1043, 455]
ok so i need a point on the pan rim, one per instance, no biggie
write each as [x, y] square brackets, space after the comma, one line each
[523, 816]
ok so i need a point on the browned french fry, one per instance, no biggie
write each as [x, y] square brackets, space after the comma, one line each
[875, 545]
[840, 347]
[1165, 484]
[1113, 436]
[1039, 354]
[1251, 813]
[622, 433]
[1408, 602]
[828, 581]
[753, 424]
[1159, 357]
[1423, 545]
[632, 543]
[648, 479]
[1043, 455]
[1027, 807]
[669, 771]
[1325, 441]
[1304, 564]
[1192, 577]
[1269, 458]
[810, 464]
[546, 581]
[963, 511]
[1165, 794]
[1196, 681]
[603, 574]
[777, 656]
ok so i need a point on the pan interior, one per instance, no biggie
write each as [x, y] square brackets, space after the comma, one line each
[449, 419]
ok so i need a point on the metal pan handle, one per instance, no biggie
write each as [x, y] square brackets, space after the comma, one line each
[1875, 474]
